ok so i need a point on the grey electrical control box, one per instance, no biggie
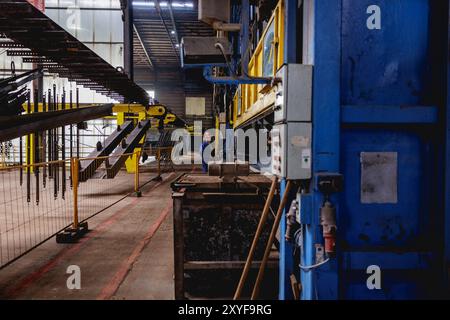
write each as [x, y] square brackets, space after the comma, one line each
[291, 150]
[294, 93]
[203, 51]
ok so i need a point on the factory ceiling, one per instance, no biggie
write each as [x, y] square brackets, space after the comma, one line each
[158, 30]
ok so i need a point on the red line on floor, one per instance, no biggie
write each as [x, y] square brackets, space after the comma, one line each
[68, 251]
[111, 288]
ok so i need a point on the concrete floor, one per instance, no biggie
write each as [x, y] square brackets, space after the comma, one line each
[24, 224]
[127, 255]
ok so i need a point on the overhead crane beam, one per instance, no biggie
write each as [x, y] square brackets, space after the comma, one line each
[31, 123]
[153, 111]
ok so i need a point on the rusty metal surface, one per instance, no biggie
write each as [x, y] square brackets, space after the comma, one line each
[210, 183]
[221, 232]
[228, 169]
[215, 233]
[379, 177]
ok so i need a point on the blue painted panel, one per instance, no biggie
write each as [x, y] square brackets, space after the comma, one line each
[286, 261]
[324, 18]
[447, 165]
[290, 50]
[383, 79]
[305, 201]
[395, 286]
[389, 114]
[386, 66]
[401, 224]
[386, 260]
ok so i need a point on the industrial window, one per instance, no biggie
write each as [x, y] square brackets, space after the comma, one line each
[195, 106]
[269, 51]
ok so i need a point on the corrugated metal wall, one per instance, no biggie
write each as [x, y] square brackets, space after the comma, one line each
[173, 86]
[175, 99]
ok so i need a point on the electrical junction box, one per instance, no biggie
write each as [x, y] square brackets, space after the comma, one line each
[291, 150]
[210, 11]
[294, 94]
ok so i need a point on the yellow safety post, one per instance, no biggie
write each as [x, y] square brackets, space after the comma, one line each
[30, 151]
[29, 145]
[217, 137]
[75, 164]
[78, 229]
[131, 162]
[120, 118]
[136, 174]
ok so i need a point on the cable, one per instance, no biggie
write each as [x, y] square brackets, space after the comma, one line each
[315, 266]
[219, 46]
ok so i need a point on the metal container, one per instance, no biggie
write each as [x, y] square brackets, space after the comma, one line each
[214, 225]
[380, 118]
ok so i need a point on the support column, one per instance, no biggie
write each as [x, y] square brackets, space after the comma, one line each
[245, 40]
[128, 30]
[286, 267]
[132, 162]
[286, 262]
[321, 48]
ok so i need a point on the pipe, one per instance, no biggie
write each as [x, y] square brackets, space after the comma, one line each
[273, 233]
[227, 27]
[207, 74]
[258, 233]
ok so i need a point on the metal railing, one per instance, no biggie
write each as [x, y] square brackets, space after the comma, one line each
[97, 193]
[38, 201]
[35, 204]
[163, 157]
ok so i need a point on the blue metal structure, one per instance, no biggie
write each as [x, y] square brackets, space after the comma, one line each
[447, 161]
[380, 92]
[381, 120]
[286, 266]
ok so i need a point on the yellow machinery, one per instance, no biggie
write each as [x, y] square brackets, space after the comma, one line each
[157, 112]
[251, 100]
[122, 112]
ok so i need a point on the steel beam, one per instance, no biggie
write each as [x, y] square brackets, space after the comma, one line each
[92, 163]
[172, 18]
[128, 24]
[117, 158]
[50, 120]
